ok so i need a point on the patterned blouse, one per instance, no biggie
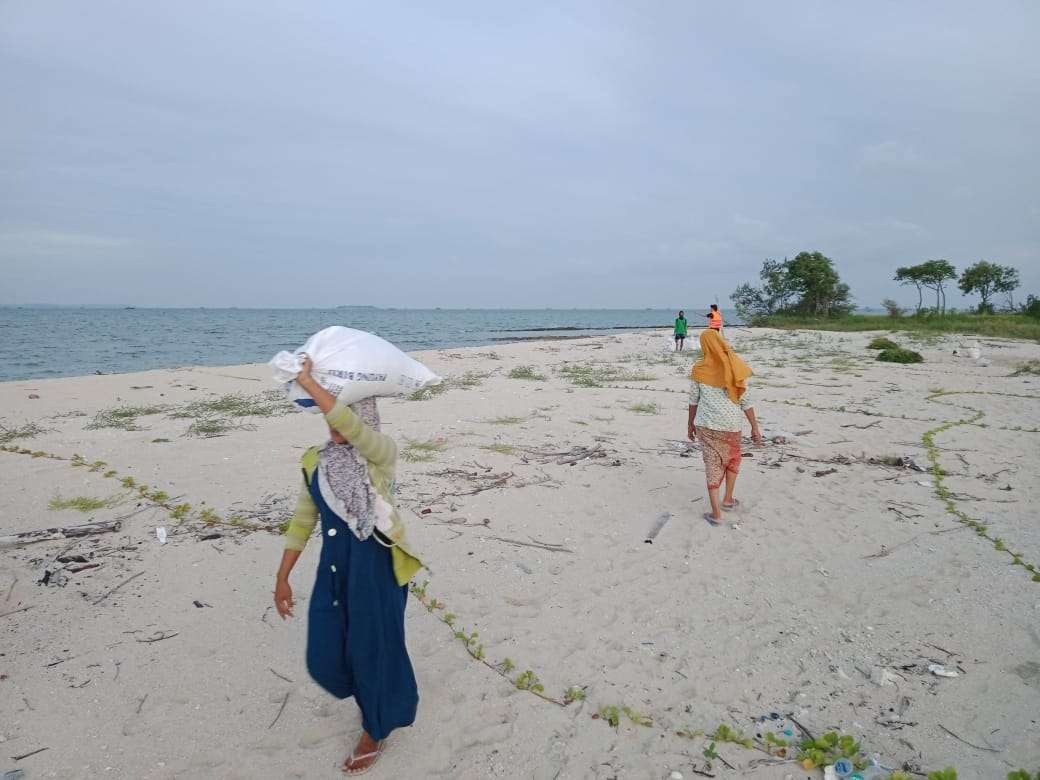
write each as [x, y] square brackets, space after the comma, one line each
[715, 410]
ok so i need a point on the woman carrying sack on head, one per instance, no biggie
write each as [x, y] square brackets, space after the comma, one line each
[355, 631]
[718, 401]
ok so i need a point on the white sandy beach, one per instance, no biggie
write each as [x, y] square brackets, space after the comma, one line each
[821, 587]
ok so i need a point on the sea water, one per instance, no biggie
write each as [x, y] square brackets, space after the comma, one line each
[41, 342]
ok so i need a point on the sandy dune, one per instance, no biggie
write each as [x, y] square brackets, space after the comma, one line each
[838, 568]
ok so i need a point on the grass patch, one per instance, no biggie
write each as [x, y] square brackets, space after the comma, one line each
[1012, 326]
[900, 355]
[428, 392]
[589, 375]
[526, 372]
[27, 431]
[123, 418]
[80, 503]
[880, 342]
[506, 420]
[422, 451]
[469, 380]
[643, 408]
[1029, 368]
[501, 449]
[208, 427]
[234, 405]
[160, 441]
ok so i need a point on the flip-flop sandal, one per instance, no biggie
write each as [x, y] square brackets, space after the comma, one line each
[734, 505]
[711, 520]
[378, 753]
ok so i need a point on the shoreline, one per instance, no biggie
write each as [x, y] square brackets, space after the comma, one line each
[838, 568]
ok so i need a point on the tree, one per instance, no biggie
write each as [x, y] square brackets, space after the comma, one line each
[1008, 283]
[812, 276]
[809, 280]
[985, 279]
[934, 274]
[911, 274]
[750, 303]
[777, 287]
[894, 309]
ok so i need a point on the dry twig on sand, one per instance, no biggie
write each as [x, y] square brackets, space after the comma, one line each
[108, 593]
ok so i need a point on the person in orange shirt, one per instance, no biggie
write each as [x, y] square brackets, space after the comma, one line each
[715, 318]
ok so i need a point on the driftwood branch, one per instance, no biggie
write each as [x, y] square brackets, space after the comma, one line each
[108, 593]
[969, 744]
[532, 543]
[159, 636]
[50, 534]
[280, 710]
[16, 611]
[28, 755]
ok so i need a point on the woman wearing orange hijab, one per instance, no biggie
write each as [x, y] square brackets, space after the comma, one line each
[718, 401]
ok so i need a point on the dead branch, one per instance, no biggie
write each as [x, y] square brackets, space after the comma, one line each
[158, 636]
[969, 744]
[532, 543]
[27, 755]
[16, 611]
[50, 534]
[862, 427]
[279, 676]
[117, 587]
[280, 709]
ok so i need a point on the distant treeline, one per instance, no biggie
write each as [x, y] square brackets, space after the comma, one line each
[808, 286]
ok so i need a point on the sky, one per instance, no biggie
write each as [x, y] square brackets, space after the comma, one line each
[474, 154]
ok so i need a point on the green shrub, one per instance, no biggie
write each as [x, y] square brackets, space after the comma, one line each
[900, 355]
[882, 343]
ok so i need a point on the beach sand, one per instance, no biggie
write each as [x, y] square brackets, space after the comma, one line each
[838, 567]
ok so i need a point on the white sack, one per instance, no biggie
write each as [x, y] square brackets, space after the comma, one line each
[352, 365]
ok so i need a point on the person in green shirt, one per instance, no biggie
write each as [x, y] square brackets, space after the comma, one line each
[680, 331]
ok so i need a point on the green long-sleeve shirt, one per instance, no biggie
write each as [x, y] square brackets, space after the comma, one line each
[381, 453]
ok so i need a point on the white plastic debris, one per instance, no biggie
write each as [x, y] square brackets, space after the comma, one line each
[160, 534]
[675, 776]
[941, 671]
[881, 677]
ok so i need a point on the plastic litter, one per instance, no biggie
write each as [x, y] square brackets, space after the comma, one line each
[675, 776]
[160, 534]
[843, 767]
[352, 365]
[941, 671]
[881, 677]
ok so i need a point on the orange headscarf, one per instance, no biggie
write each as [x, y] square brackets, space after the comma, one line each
[721, 366]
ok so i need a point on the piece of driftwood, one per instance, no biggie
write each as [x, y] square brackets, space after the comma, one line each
[15, 611]
[280, 710]
[108, 593]
[969, 744]
[158, 636]
[50, 534]
[28, 755]
[532, 543]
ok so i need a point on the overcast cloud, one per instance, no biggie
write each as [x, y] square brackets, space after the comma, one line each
[529, 154]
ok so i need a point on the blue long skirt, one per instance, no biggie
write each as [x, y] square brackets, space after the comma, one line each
[355, 631]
